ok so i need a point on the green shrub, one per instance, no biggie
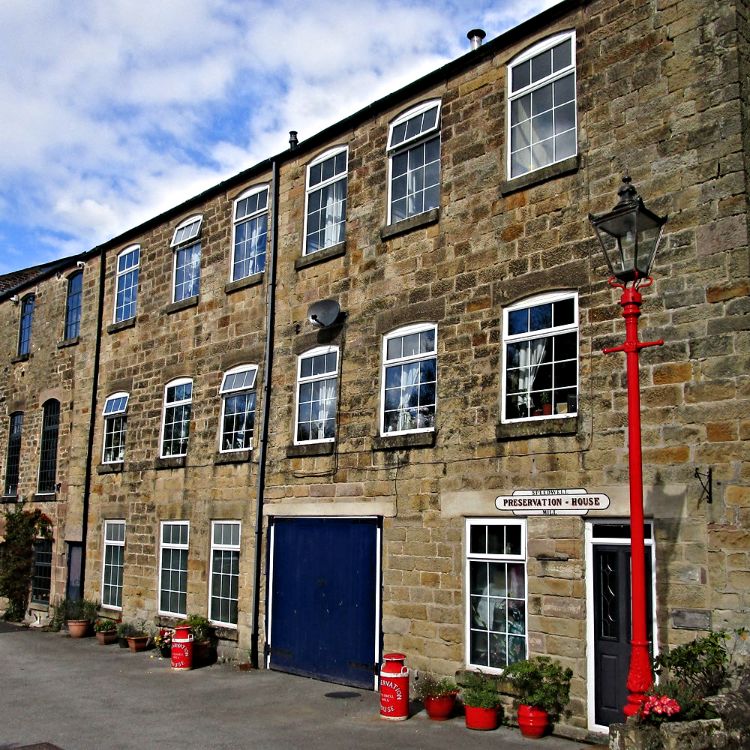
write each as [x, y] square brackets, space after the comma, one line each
[429, 686]
[541, 682]
[480, 691]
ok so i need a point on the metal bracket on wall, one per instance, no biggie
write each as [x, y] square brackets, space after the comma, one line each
[707, 485]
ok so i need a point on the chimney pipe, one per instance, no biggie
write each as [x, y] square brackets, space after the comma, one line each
[293, 142]
[475, 36]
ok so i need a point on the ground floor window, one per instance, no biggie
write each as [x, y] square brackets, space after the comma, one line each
[114, 552]
[173, 570]
[496, 582]
[41, 583]
[225, 571]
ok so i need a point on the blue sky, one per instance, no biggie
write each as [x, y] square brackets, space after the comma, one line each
[115, 110]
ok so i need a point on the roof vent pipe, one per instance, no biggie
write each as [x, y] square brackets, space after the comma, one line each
[293, 142]
[475, 36]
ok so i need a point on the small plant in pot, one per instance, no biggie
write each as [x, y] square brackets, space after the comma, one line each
[438, 695]
[543, 688]
[163, 641]
[481, 699]
[79, 614]
[202, 630]
[106, 630]
[136, 635]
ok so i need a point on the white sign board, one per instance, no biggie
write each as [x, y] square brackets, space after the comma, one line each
[552, 502]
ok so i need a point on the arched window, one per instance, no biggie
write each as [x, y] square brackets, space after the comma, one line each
[317, 391]
[325, 214]
[48, 454]
[73, 305]
[126, 293]
[178, 401]
[250, 227]
[187, 259]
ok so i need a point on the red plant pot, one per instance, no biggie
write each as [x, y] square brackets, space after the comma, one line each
[439, 708]
[481, 718]
[78, 628]
[532, 721]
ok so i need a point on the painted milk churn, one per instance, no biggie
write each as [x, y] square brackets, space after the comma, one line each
[182, 648]
[394, 688]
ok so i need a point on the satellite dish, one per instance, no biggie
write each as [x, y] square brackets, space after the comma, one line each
[324, 313]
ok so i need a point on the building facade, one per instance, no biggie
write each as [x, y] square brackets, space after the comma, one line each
[327, 388]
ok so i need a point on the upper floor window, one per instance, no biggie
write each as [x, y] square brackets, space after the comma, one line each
[414, 157]
[542, 105]
[27, 317]
[48, 452]
[115, 424]
[250, 232]
[73, 305]
[13, 462]
[540, 360]
[187, 259]
[127, 283]
[178, 400]
[317, 389]
[409, 382]
[238, 408]
[325, 217]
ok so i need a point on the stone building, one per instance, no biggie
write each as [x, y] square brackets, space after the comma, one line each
[316, 379]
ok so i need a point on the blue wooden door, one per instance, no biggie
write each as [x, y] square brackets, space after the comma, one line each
[324, 599]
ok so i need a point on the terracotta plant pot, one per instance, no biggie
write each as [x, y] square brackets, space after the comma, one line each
[138, 642]
[439, 708]
[481, 718]
[106, 637]
[546, 408]
[78, 628]
[532, 721]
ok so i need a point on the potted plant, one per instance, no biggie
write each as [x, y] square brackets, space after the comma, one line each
[125, 629]
[106, 630]
[438, 695]
[543, 687]
[481, 699]
[201, 629]
[79, 614]
[545, 401]
[163, 641]
[136, 635]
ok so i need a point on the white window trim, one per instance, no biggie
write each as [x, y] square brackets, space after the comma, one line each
[522, 57]
[541, 299]
[306, 355]
[236, 222]
[397, 333]
[107, 416]
[413, 141]
[336, 178]
[231, 548]
[170, 384]
[163, 545]
[119, 275]
[190, 239]
[109, 542]
[468, 557]
[224, 392]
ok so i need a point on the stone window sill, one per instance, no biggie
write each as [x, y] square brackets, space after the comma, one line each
[313, 449]
[20, 358]
[235, 457]
[235, 286]
[226, 633]
[171, 462]
[410, 440]
[121, 325]
[334, 251]
[413, 222]
[8, 498]
[109, 468]
[566, 166]
[536, 428]
[183, 304]
[68, 342]
[44, 497]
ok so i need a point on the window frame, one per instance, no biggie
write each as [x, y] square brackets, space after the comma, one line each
[330, 153]
[387, 363]
[73, 306]
[301, 381]
[498, 558]
[41, 565]
[13, 454]
[224, 547]
[173, 405]
[410, 143]
[255, 215]
[26, 321]
[526, 55]
[525, 304]
[122, 276]
[48, 446]
[184, 240]
[119, 567]
[110, 419]
[230, 392]
[180, 547]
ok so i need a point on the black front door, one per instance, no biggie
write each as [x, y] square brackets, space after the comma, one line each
[75, 556]
[612, 629]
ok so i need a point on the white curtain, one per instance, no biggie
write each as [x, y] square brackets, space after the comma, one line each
[409, 377]
[530, 358]
[326, 407]
[252, 246]
[411, 190]
[333, 215]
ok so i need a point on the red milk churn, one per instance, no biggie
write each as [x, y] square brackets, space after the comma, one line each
[394, 688]
[182, 648]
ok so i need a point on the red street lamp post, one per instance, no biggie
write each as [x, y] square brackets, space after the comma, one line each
[629, 236]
